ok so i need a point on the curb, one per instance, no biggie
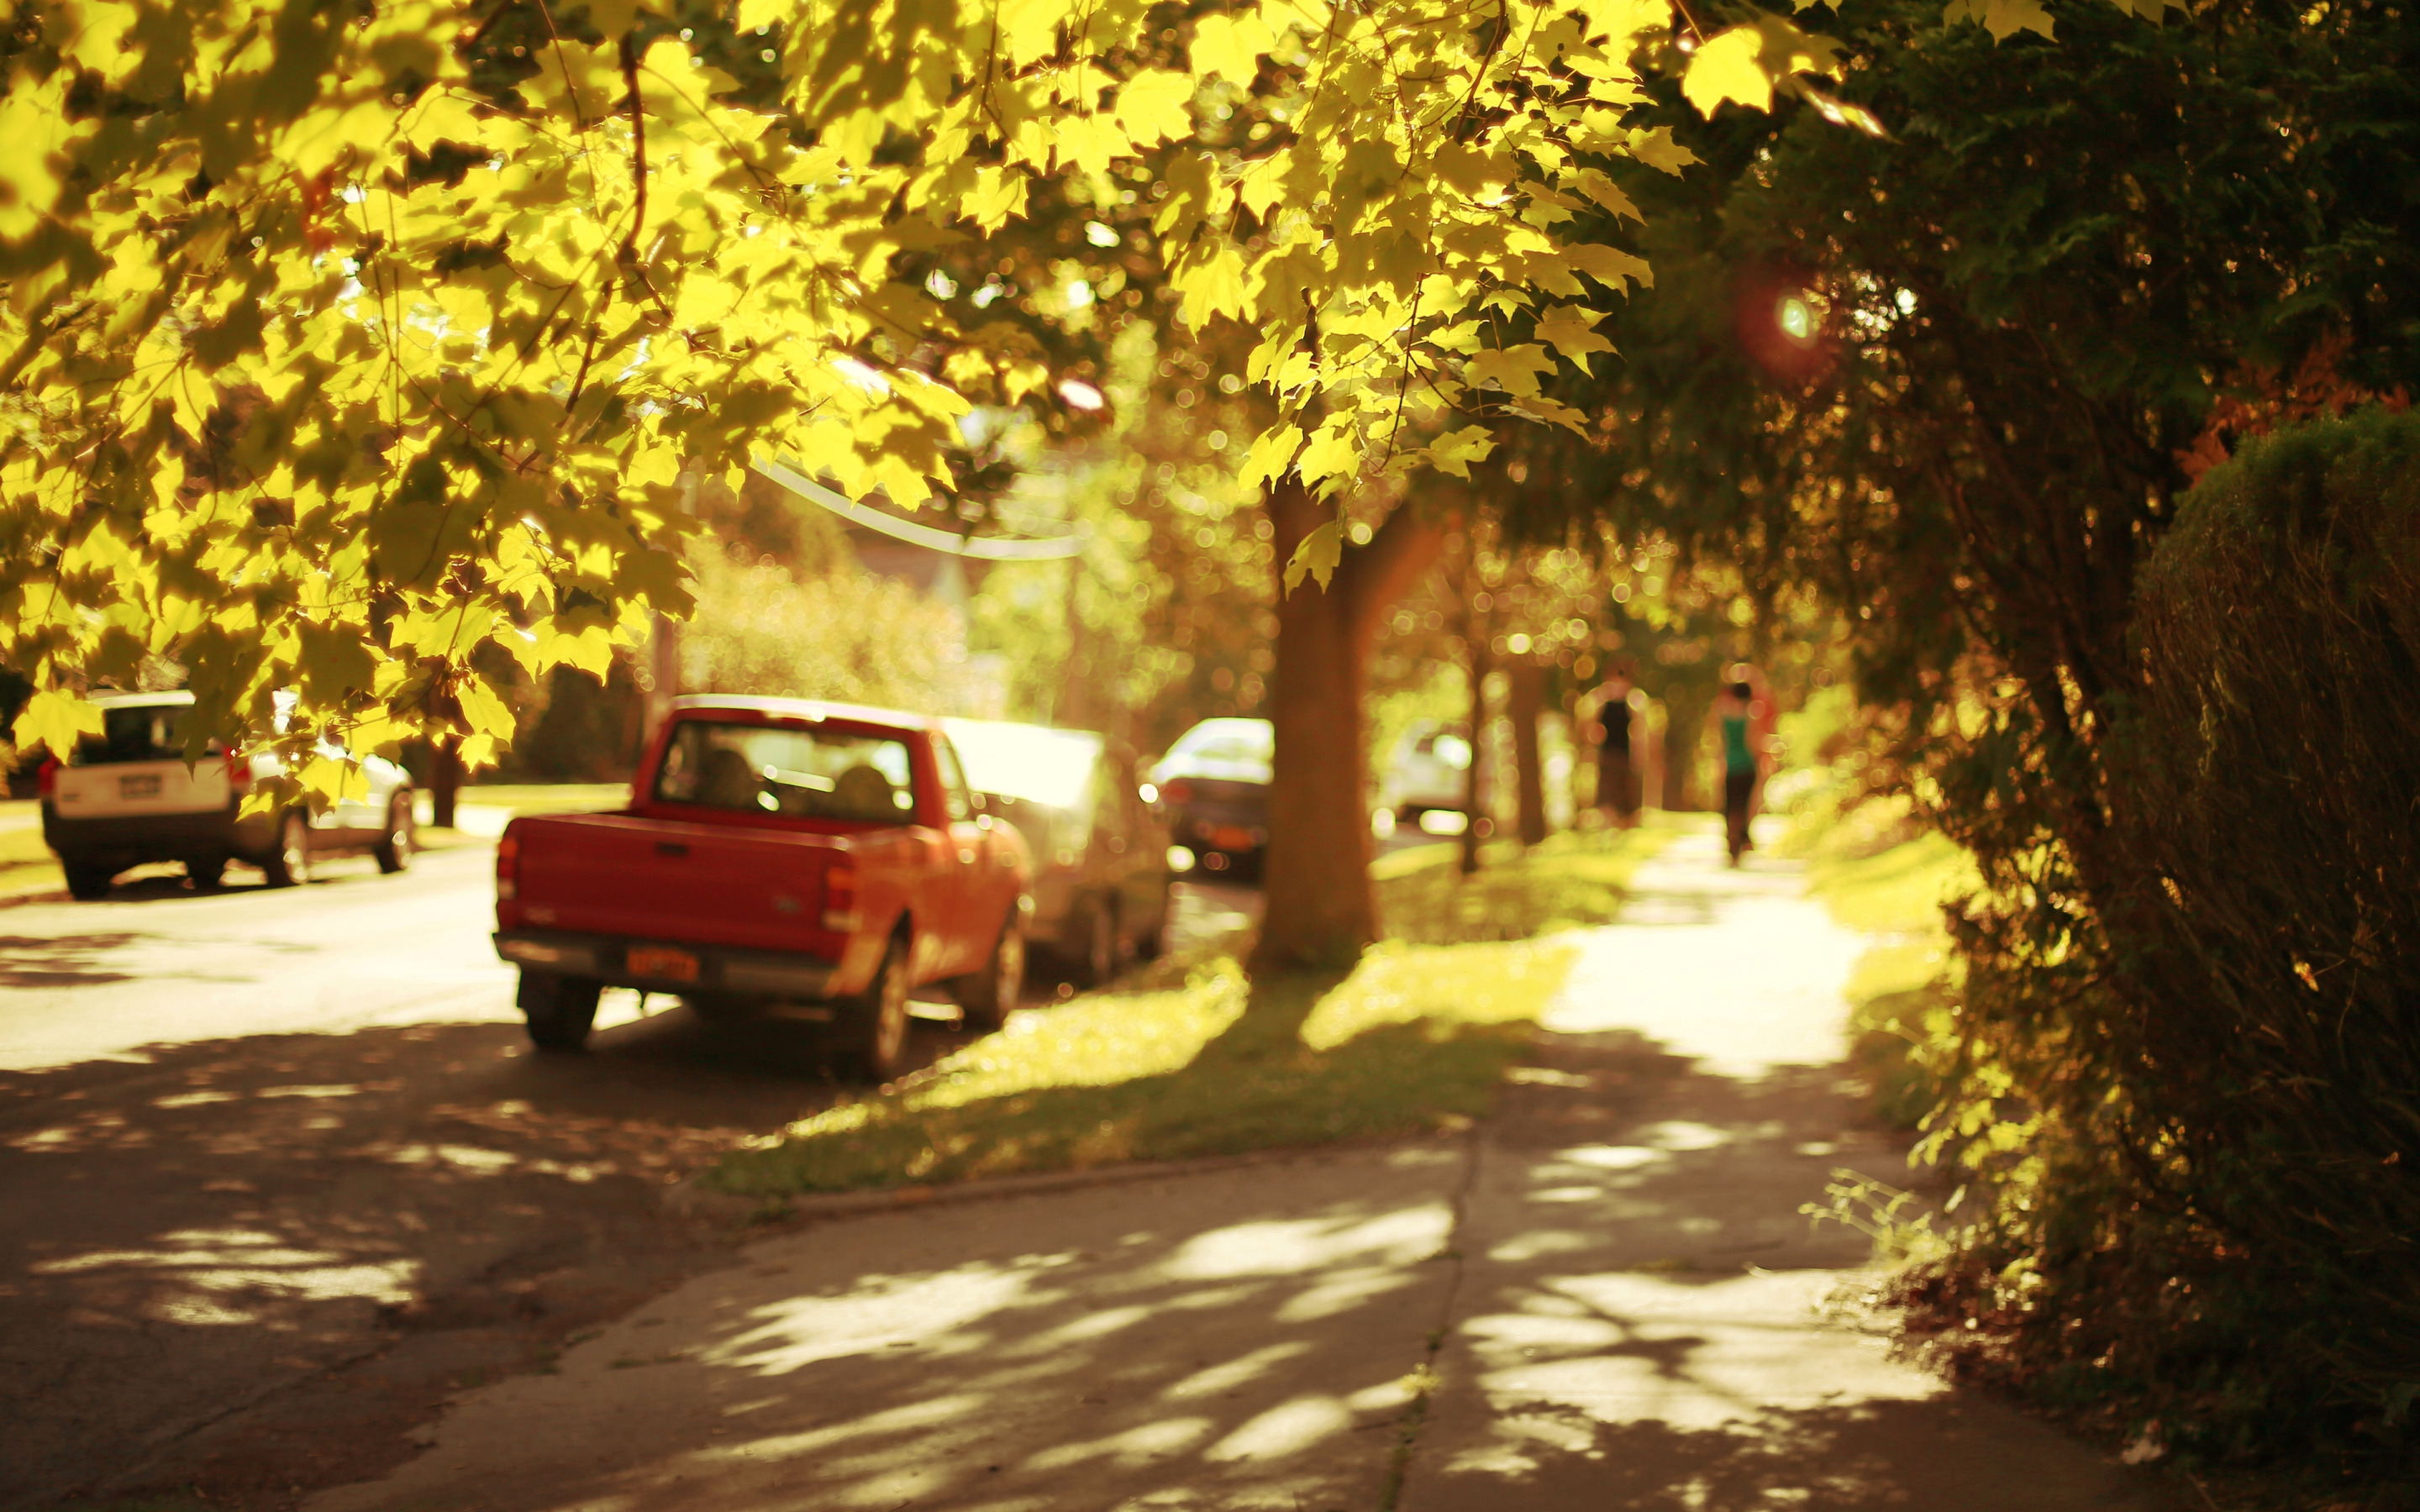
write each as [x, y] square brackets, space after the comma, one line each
[691, 1199]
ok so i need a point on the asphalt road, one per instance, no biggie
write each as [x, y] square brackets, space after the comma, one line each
[281, 1172]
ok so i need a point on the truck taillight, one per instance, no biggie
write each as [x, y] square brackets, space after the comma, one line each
[1179, 791]
[47, 780]
[839, 898]
[239, 772]
[508, 867]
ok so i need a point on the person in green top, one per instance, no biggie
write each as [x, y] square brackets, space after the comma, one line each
[1735, 712]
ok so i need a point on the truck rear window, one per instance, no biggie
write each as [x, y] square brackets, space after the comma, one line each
[139, 733]
[797, 774]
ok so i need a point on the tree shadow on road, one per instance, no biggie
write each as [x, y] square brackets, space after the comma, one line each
[60, 960]
[222, 1223]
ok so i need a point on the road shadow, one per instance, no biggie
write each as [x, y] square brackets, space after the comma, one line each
[60, 960]
[343, 1228]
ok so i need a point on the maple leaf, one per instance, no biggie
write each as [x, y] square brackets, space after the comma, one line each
[1456, 450]
[1728, 65]
[56, 720]
[1570, 328]
[1318, 555]
[1513, 369]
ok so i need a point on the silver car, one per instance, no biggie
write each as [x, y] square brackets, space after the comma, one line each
[1429, 773]
[126, 797]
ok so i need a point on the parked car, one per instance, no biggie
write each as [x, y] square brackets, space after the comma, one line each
[1100, 857]
[126, 797]
[777, 857]
[1212, 790]
[1428, 773]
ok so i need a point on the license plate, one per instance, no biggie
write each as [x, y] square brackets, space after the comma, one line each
[662, 963]
[1230, 838]
[139, 785]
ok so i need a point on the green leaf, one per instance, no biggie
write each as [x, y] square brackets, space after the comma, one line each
[1318, 554]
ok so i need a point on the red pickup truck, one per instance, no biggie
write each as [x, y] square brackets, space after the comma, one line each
[777, 855]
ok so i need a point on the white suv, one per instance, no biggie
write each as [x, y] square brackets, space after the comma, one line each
[126, 797]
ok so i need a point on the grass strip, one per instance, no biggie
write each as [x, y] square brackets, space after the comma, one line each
[1196, 1058]
[1890, 884]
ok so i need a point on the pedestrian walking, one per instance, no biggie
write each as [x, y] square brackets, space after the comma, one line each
[1616, 768]
[1735, 711]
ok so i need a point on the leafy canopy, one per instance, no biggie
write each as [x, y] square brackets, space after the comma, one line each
[340, 340]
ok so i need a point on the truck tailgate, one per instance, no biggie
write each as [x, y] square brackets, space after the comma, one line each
[112, 790]
[666, 880]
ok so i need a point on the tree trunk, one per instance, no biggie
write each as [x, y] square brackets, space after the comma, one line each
[1481, 635]
[444, 780]
[1318, 907]
[1526, 705]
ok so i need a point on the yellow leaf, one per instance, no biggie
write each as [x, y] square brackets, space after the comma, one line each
[334, 660]
[653, 464]
[1456, 450]
[1230, 47]
[1334, 453]
[1596, 186]
[1609, 266]
[998, 194]
[1092, 143]
[54, 719]
[1570, 328]
[1270, 455]
[1513, 369]
[1726, 66]
[489, 715]
[1657, 149]
[1029, 29]
[1157, 105]
[1318, 555]
[1214, 286]
[2004, 19]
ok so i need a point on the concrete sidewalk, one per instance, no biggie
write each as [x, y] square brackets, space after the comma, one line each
[1644, 1318]
[1605, 1297]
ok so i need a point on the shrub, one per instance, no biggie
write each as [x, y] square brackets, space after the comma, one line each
[2194, 1108]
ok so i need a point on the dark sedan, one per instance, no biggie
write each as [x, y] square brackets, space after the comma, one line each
[1213, 790]
[1100, 857]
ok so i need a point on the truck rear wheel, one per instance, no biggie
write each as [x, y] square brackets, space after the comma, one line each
[988, 995]
[87, 881]
[874, 1024]
[560, 1010]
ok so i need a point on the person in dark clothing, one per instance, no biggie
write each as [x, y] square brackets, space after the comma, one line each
[1617, 773]
[1735, 713]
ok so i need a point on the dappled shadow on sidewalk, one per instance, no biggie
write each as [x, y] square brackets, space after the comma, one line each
[1236, 1338]
[211, 1226]
[1649, 1321]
